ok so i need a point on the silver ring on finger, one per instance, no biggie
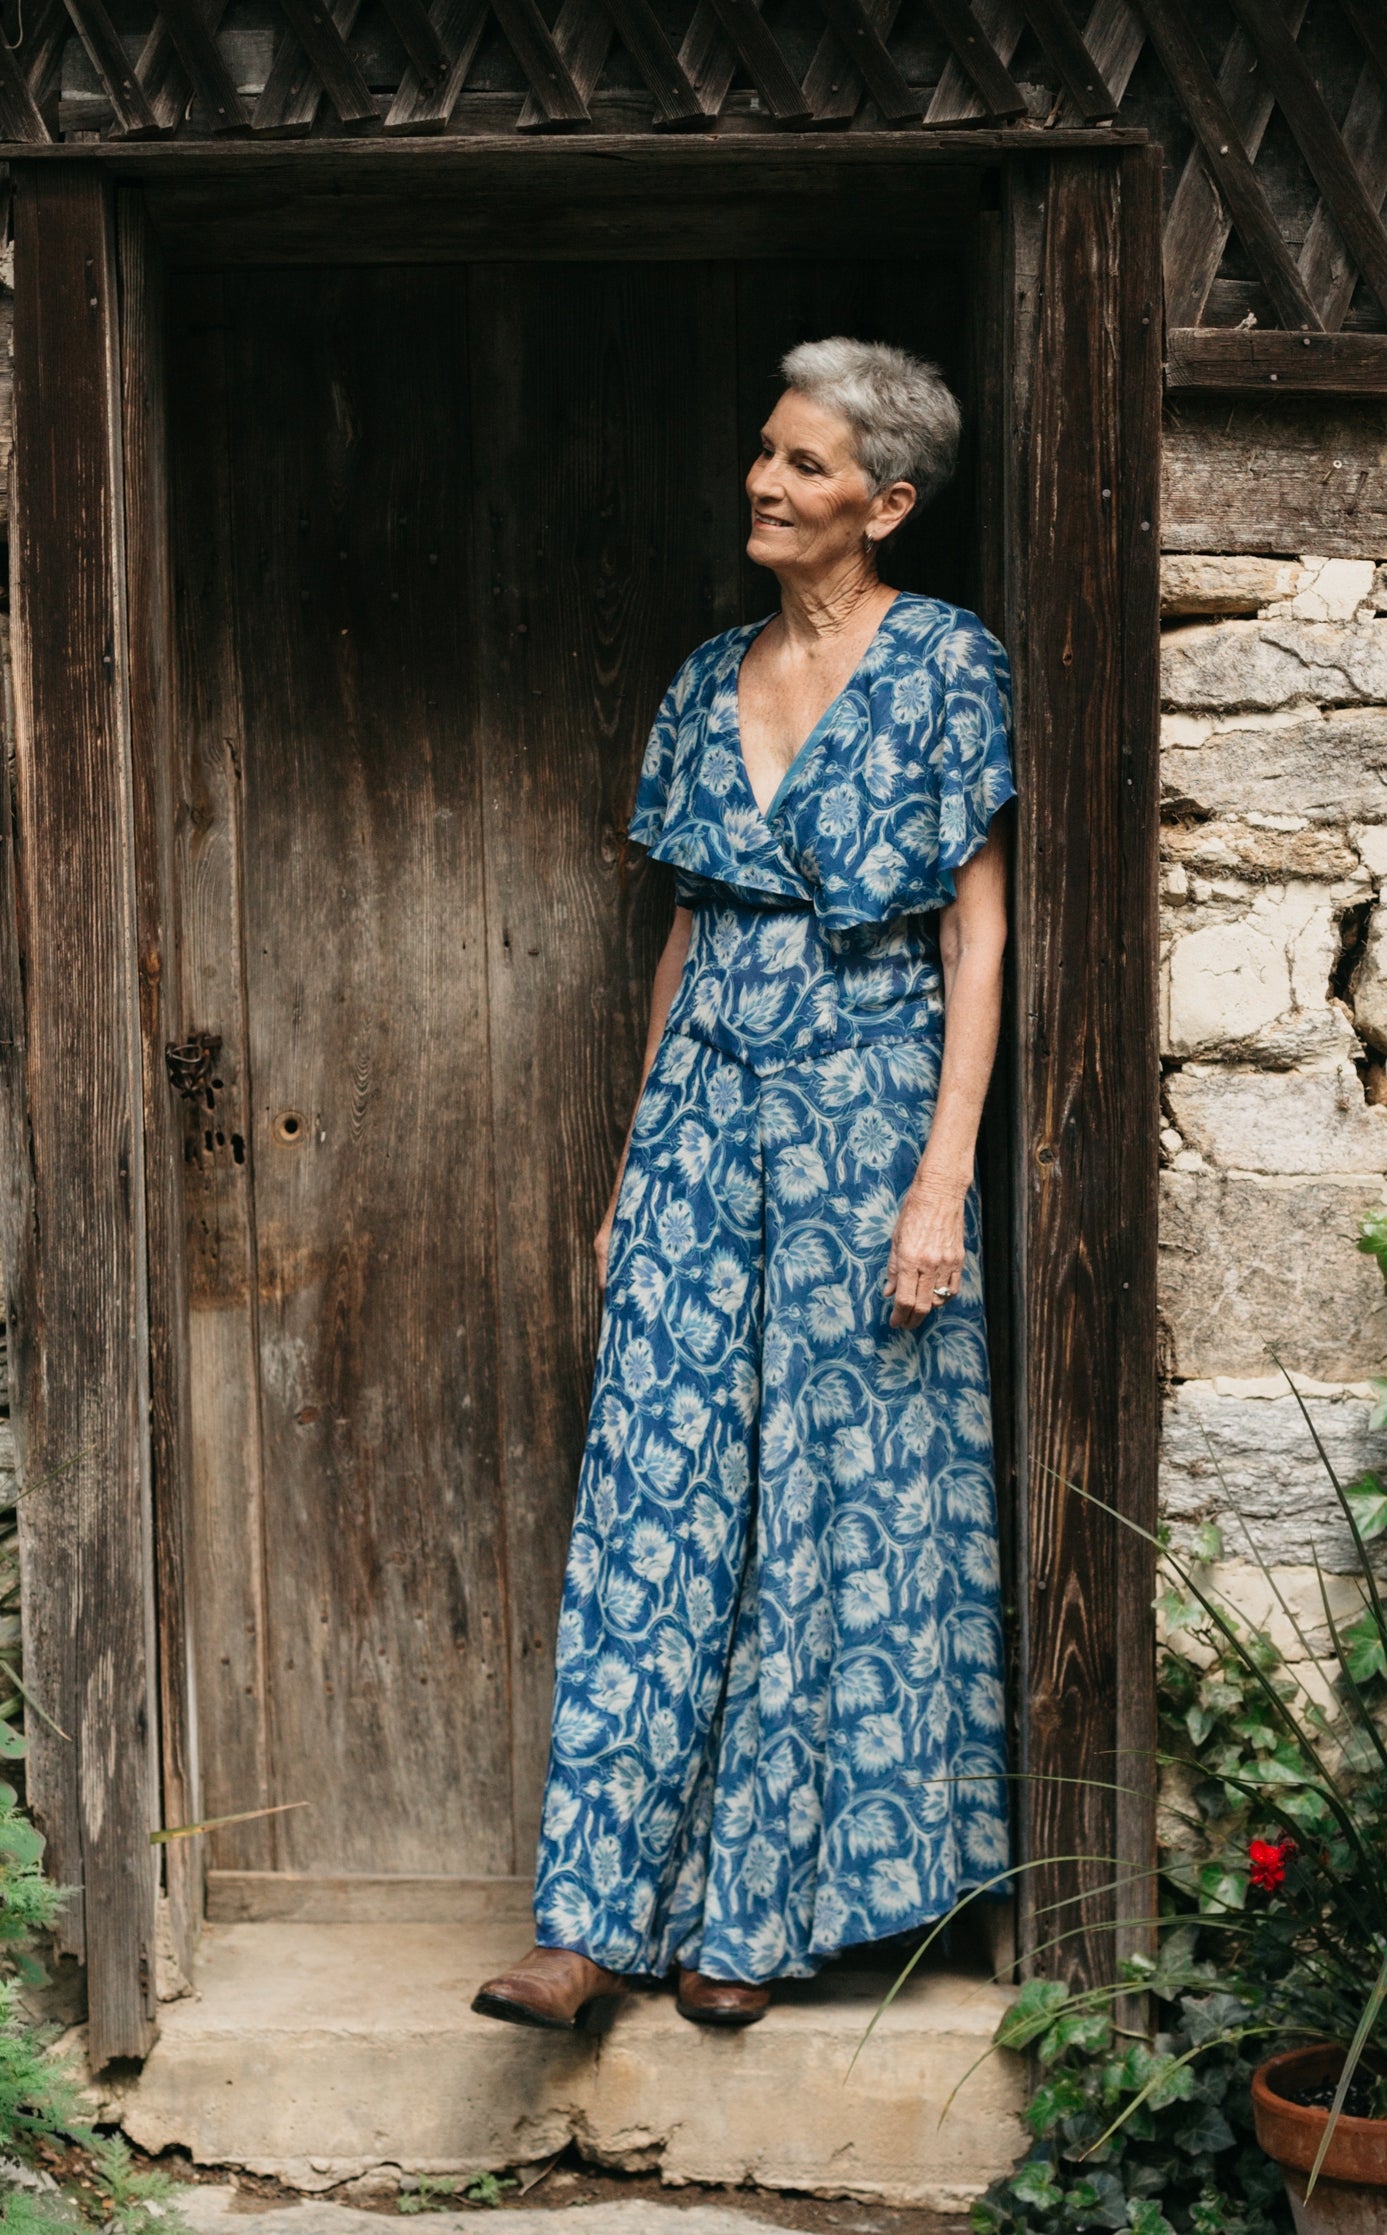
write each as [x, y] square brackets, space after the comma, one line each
[943, 1292]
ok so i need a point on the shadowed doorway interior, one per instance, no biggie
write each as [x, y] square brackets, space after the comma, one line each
[441, 535]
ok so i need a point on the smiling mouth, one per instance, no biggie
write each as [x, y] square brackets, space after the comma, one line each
[768, 520]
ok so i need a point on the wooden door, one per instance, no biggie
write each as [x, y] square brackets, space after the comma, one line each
[440, 536]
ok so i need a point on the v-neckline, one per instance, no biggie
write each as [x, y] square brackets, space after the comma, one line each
[815, 733]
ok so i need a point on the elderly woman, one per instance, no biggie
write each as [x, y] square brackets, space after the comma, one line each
[778, 1720]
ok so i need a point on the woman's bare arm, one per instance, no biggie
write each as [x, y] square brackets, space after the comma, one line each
[927, 1247]
[668, 972]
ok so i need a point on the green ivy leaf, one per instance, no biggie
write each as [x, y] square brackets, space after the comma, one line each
[1035, 2184]
[1367, 1502]
[1205, 2133]
[1221, 1888]
[1056, 2099]
[1206, 1544]
[1032, 2011]
[1145, 2217]
[1087, 2031]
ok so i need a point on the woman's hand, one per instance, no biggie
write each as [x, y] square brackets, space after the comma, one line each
[926, 1248]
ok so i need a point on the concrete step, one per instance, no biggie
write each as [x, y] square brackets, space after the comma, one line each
[317, 2052]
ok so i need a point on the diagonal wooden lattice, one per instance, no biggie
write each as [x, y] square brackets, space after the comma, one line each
[317, 82]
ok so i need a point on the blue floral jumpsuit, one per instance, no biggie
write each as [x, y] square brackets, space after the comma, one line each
[778, 1717]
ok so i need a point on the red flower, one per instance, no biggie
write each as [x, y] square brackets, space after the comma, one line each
[1269, 1862]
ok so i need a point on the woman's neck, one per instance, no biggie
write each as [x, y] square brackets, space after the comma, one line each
[815, 614]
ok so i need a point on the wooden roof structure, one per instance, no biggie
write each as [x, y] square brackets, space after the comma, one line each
[1272, 113]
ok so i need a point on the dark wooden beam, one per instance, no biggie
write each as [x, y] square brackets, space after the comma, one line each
[157, 919]
[1197, 225]
[638, 27]
[532, 44]
[864, 44]
[1317, 135]
[43, 50]
[955, 99]
[1330, 272]
[1225, 158]
[415, 31]
[206, 67]
[421, 107]
[1236, 357]
[832, 87]
[1078, 72]
[160, 73]
[998, 91]
[1083, 625]
[83, 1311]
[747, 34]
[338, 71]
[19, 116]
[583, 36]
[1371, 26]
[108, 58]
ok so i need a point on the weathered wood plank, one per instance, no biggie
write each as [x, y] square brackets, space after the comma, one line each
[83, 1326]
[583, 36]
[428, 57]
[205, 64]
[998, 91]
[108, 58]
[225, 1549]
[1077, 70]
[1083, 590]
[160, 73]
[257, 1897]
[1371, 29]
[863, 44]
[832, 86]
[1277, 472]
[291, 93]
[1198, 224]
[718, 32]
[143, 405]
[339, 73]
[43, 50]
[1316, 134]
[1330, 272]
[532, 43]
[20, 121]
[1131, 1025]
[676, 103]
[1233, 358]
[356, 643]
[576, 639]
[1182, 59]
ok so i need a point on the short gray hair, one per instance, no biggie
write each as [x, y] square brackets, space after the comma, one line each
[904, 418]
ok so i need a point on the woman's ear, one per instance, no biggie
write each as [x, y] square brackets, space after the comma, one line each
[894, 506]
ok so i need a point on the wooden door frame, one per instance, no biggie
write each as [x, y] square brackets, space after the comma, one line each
[91, 1192]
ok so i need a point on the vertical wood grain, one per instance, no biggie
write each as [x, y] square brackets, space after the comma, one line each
[1084, 625]
[607, 507]
[356, 636]
[83, 1520]
[225, 1549]
[143, 407]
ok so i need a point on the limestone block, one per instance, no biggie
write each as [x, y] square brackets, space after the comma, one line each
[1199, 585]
[1285, 1602]
[1279, 1121]
[1259, 1269]
[1265, 664]
[1239, 1453]
[1330, 590]
[1324, 767]
[1245, 972]
[1292, 848]
[1371, 842]
[1368, 991]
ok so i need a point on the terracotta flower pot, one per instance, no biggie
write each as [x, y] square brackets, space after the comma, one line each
[1350, 2196]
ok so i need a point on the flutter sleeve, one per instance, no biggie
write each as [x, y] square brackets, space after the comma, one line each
[972, 754]
[662, 782]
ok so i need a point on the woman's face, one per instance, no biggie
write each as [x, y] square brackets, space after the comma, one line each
[811, 502]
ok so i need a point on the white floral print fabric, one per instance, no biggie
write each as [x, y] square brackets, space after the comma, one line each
[779, 1719]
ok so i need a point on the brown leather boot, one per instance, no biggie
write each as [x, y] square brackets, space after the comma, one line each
[550, 1987]
[720, 2001]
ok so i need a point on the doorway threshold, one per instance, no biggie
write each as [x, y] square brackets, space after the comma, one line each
[318, 2052]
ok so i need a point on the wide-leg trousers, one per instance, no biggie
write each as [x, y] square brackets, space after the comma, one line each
[778, 1718]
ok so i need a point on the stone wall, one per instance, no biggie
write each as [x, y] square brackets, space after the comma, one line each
[1274, 1033]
